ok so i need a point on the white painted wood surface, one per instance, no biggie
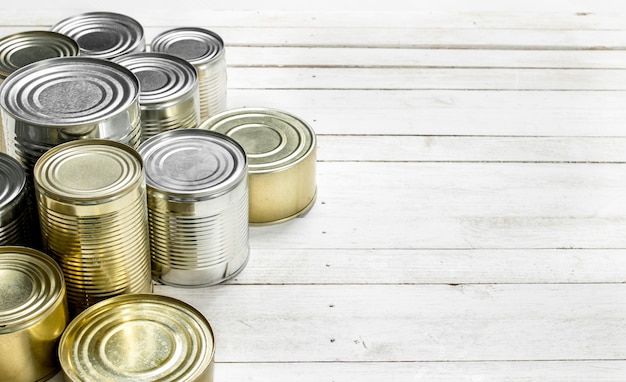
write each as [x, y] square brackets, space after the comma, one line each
[471, 217]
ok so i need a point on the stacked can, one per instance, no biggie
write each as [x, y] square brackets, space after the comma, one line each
[197, 206]
[103, 34]
[138, 338]
[204, 49]
[33, 313]
[281, 150]
[91, 198]
[14, 217]
[20, 49]
[169, 96]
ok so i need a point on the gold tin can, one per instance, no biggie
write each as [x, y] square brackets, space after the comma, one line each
[33, 314]
[281, 151]
[14, 217]
[204, 49]
[138, 338]
[197, 183]
[91, 198]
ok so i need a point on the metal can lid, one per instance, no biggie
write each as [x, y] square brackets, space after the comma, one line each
[67, 91]
[196, 45]
[162, 77]
[103, 34]
[12, 179]
[20, 49]
[273, 140]
[137, 337]
[31, 284]
[86, 171]
[193, 164]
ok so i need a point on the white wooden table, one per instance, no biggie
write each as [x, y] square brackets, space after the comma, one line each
[470, 223]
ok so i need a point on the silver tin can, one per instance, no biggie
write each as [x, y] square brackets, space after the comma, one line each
[20, 49]
[33, 314]
[169, 95]
[204, 49]
[142, 337]
[91, 198]
[103, 34]
[197, 206]
[64, 99]
[14, 217]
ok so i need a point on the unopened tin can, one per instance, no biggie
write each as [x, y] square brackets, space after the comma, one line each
[91, 199]
[281, 152]
[169, 96]
[138, 338]
[103, 34]
[204, 49]
[20, 49]
[14, 217]
[33, 314]
[197, 206]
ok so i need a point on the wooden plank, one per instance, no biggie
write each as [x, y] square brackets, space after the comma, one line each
[238, 56]
[472, 149]
[557, 371]
[427, 78]
[446, 112]
[392, 266]
[458, 205]
[276, 323]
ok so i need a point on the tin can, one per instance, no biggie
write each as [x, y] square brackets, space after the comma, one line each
[20, 49]
[33, 313]
[91, 199]
[197, 206]
[169, 97]
[103, 35]
[14, 217]
[138, 338]
[281, 151]
[204, 49]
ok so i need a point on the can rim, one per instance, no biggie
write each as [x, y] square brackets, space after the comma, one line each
[164, 39]
[12, 167]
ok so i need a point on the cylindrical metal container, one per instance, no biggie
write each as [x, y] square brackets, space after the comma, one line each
[138, 338]
[33, 314]
[204, 49]
[281, 160]
[91, 198]
[20, 49]
[169, 96]
[14, 218]
[103, 34]
[197, 206]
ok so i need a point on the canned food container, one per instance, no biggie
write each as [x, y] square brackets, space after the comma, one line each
[103, 34]
[169, 97]
[138, 338]
[204, 49]
[33, 313]
[20, 49]
[64, 99]
[14, 217]
[91, 199]
[197, 206]
[281, 152]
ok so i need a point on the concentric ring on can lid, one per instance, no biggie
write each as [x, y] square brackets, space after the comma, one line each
[12, 179]
[31, 283]
[103, 34]
[20, 49]
[196, 45]
[162, 77]
[193, 163]
[273, 140]
[137, 337]
[89, 170]
[68, 91]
